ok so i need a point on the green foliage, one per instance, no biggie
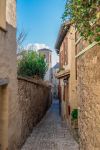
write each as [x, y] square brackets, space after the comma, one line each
[74, 114]
[32, 64]
[85, 14]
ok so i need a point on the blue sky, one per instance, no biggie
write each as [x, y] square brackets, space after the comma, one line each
[41, 19]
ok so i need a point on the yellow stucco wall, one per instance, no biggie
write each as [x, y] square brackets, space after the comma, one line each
[72, 80]
[73, 102]
[8, 70]
[3, 14]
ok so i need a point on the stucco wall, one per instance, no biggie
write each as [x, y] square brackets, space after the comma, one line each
[3, 13]
[72, 101]
[55, 82]
[89, 99]
[71, 61]
[34, 100]
[8, 70]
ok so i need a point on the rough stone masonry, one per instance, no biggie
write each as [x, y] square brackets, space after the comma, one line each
[89, 99]
[34, 99]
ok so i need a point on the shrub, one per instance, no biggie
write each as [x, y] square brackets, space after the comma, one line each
[32, 64]
[74, 114]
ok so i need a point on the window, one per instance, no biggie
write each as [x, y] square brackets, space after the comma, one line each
[50, 58]
[66, 50]
[3, 14]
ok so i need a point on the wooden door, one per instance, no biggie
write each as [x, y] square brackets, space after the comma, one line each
[67, 98]
[3, 118]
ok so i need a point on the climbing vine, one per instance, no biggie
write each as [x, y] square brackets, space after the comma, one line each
[85, 14]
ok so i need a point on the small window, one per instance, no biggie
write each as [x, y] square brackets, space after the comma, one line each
[3, 14]
[50, 58]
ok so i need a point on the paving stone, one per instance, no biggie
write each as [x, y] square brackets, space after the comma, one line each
[51, 133]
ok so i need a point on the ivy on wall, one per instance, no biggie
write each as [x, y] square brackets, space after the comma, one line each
[85, 14]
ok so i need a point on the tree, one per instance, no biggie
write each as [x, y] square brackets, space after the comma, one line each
[20, 39]
[32, 64]
[85, 14]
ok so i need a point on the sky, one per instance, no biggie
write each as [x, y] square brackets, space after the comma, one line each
[41, 20]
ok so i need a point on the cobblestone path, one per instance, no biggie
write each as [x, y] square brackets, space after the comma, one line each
[51, 134]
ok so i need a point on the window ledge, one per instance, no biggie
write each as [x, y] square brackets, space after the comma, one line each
[4, 30]
[4, 81]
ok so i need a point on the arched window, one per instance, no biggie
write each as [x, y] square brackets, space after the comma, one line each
[3, 14]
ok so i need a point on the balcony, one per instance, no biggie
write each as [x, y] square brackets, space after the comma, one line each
[62, 72]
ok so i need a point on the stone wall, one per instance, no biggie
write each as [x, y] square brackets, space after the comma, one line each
[89, 98]
[34, 100]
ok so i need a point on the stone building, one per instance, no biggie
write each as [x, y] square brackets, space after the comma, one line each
[55, 81]
[65, 46]
[8, 76]
[88, 89]
[48, 58]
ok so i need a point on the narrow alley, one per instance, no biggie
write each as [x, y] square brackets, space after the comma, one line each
[51, 133]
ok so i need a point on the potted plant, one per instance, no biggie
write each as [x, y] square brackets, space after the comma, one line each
[74, 118]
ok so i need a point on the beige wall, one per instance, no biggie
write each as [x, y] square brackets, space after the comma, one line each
[89, 99]
[3, 14]
[72, 79]
[8, 70]
[71, 61]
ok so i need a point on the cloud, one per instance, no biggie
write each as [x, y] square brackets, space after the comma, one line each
[36, 46]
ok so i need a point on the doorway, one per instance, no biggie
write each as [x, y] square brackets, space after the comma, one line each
[3, 117]
[66, 95]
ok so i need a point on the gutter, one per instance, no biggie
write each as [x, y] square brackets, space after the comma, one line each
[62, 33]
[86, 49]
